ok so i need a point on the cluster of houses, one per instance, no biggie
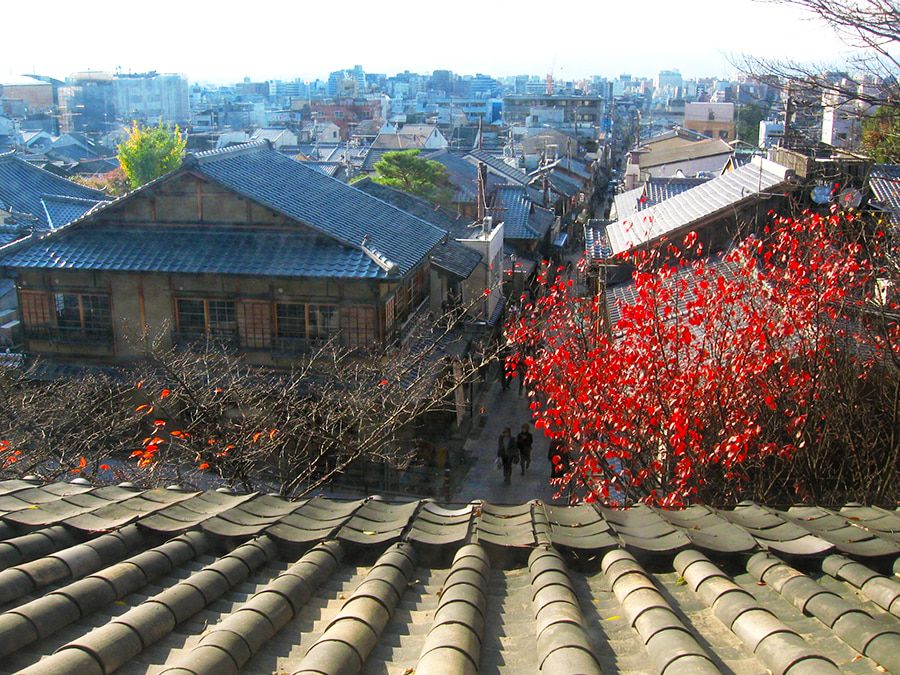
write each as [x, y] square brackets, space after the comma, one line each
[263, 247]
[680, 181]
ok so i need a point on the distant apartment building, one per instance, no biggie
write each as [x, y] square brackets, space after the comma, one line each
[347, 83]
[587, 110]
[36, 95]
[668, 82]
[152, 98]
[842, 119]
[93, 101]
[345, 113]
[715, 120]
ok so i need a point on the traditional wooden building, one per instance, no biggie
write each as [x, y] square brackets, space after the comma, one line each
[243, 246]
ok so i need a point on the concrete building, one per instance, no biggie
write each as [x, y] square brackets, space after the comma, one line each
[715, 120]
[35, 94]
[585, 110]
[152, 98]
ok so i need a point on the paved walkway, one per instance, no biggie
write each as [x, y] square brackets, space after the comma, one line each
[483, 481]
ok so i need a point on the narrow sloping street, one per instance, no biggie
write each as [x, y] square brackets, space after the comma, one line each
[483, 480]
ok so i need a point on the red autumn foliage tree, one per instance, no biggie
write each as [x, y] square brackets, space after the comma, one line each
[768, 372]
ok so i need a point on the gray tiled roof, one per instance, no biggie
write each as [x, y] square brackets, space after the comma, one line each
[463, 175]
[200, 250]
[495, 164]
[521, 220]
[654, 191]
[696, 204]
[884, 181]
[338, 210]
[704, 148]
[450, 255]
[60, 210]
[24, 186]
[99, 579]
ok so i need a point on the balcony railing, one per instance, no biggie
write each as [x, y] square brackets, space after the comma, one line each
[72, 335]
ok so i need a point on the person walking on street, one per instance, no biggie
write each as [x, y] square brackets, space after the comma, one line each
[524, 441]
[507, 452]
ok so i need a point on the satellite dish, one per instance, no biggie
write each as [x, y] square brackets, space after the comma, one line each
[821, 194]
[850, 198]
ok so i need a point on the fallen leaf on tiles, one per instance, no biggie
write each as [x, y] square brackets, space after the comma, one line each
[614, 618]
[34, 506]
[681, 581]
[340, 596]
[369, 532]
[761, 583]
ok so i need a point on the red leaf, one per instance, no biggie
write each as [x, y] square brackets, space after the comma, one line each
[203, 466]
[164, 393]
[104, 467]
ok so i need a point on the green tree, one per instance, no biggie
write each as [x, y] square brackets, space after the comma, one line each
[150, 152]
[748, 118]
[881, 136]
[406, 171]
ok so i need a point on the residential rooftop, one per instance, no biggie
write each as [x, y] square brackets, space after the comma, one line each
[102, 579]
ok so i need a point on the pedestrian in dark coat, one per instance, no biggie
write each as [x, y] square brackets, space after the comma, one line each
[524, 441]
[507, 452]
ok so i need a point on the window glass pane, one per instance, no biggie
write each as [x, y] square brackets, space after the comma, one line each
[291, 320]
[221, 317]
[96, 314]
[68, 314]
[323, 321]
[191, 317]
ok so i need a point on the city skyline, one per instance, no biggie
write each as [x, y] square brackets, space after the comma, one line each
[215, 49]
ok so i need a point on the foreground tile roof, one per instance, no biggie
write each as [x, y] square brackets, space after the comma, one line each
[94, 580]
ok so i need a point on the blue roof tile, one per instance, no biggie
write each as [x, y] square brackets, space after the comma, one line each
[302, 193]
[195, 250]
[24, 186]
[520, 219]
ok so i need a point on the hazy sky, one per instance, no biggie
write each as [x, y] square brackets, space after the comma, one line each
[283, 40]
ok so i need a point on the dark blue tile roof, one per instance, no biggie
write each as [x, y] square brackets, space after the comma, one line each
[450, 255]
[60, 210]
[302, 193]
[195, 250]
[23, 186]
[519, 222]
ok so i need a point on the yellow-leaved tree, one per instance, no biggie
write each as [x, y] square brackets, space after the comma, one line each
[149, 152]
